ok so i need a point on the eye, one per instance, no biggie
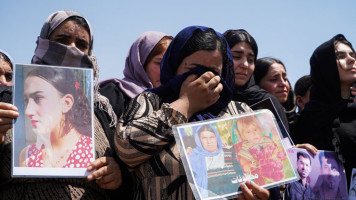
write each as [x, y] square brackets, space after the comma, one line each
[62, 40]
[81, 45]
[236, 57]
[340, 55]
[38, 99]
[8, 77]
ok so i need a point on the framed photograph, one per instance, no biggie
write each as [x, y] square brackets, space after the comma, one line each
[322, 176]
[268, 104]
[53, 136]
[220, 154]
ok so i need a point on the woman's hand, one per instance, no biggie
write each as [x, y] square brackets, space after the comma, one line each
[8, 112]
[107, 174]
[197, 94]
[251, 190]
[308, 147]
[353, 92]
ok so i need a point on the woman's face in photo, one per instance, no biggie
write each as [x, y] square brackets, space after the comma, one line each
[211, 59]
[276, 82]
[244, 62]
[43, 105]
[346, 63]
[71, 34]
[209, 141]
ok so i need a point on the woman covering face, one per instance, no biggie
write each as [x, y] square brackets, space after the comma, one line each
[197, 78]
[54, 104]
[5, 69]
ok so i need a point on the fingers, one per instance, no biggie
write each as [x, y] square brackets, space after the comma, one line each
[246, 192]
[98, 163]
[308, 147]
[257, 190]
[107, 174]
[7, 106]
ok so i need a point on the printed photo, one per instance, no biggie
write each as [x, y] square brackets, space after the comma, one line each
[54, 134]
[352, 192]
[321, 176]
[220, 154]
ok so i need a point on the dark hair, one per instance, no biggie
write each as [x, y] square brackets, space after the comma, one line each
[204, 40]
[341, 39]
[262, 66]
[160, 47]
[234, 37]
[329, 155]
[205, 128]
[304, 155]
[7, 59]
[64, 81]
[302, 85]
[82, 22]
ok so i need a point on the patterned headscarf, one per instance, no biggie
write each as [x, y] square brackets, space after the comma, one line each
[136, 79]
[8, 56]
[52, 53]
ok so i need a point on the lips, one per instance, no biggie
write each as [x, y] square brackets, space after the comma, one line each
[34, 123]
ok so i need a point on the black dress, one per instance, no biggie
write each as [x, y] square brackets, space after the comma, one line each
[328, 121]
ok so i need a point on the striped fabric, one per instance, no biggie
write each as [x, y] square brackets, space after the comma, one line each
[144, 141]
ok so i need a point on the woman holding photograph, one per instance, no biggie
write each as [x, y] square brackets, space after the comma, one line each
[54, 102]
[196, 77]
[66, 39]
[328, 120]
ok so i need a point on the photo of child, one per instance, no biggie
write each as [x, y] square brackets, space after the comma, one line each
[257, 152]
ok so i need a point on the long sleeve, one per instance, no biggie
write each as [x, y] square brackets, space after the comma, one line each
[145, 129]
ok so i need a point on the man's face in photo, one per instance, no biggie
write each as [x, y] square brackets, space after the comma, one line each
[303, 167]
[330, 172]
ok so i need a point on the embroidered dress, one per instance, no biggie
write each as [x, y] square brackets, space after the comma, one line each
[80, 157]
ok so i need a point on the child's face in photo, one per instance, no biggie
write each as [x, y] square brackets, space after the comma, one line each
[252, 133]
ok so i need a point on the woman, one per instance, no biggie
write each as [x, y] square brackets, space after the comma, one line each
[328, 119]
[142, 70]
[5, 69]
[54, 103]
[271, 75]
[66, 39]
[244, 51]
[196, 77]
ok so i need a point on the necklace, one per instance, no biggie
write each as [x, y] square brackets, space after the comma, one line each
[61, 160]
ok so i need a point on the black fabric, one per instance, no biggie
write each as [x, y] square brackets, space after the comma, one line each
[6, 94]
[251, 93]
[118, 101]
[328, 121]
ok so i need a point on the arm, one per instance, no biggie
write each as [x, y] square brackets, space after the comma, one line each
[147, 124]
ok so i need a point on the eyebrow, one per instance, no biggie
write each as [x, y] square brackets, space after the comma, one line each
[33, 94]
[240, 51]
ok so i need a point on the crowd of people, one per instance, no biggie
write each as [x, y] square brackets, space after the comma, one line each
[197, 75]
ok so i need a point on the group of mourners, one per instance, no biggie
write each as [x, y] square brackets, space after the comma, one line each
[199, 74]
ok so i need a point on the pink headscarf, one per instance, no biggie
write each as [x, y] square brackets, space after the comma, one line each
[135, 78]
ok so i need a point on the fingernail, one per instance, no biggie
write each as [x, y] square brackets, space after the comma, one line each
[90, 168]
[90, 177]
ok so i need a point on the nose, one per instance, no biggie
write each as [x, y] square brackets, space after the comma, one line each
[243, 63]
[351, 60]
[3, 81]
[29, 111]
[283, 83]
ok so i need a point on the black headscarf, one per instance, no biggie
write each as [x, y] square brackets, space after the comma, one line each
[171, 83]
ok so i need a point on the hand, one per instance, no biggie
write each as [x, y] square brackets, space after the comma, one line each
[251, 190]
[308, 147]
[197, 94]
[8, 112]
[353, 92]
[107, 174]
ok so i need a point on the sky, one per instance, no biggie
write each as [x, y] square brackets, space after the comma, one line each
[284, 29]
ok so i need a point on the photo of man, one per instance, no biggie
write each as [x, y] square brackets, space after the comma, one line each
[301, 190]
[352, 193]
[328, 185]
